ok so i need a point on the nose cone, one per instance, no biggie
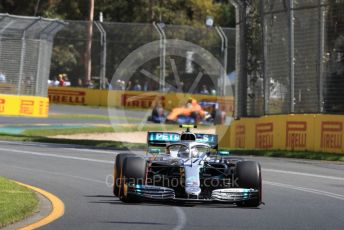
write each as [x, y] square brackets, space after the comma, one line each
[192, 179]
[193, 190]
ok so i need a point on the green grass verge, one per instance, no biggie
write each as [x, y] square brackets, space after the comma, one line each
[45, 135]
[66, 131]
[289, 154]
[16, 202]
[93, 117]
[91, 143]
[102, 129]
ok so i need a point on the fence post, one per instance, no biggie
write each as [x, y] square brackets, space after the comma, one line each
[291, 55]
[322, 11]
[224, 49]
[39, 61]
[163, 55]
[162, 43]
[266, 80]
[241, 58]
[103, 44]
[1, 32]
[22, 55]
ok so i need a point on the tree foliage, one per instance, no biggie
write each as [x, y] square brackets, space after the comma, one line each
[70, 43]
[181, 12]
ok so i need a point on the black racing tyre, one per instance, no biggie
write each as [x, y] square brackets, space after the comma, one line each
[249, 175]
[133, 172]
[218, 117]
[117, 170]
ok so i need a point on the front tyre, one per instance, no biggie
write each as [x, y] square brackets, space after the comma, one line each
[118, 170]
[249, 176]
[133, 173]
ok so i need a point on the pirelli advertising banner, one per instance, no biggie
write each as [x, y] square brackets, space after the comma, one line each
[31, 106]
[129, 99]
[329, 136]
[288, 132]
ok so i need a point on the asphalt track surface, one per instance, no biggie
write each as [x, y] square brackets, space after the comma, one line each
[298, 194]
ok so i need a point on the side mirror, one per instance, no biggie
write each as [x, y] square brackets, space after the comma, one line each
[223, 153]
[154, 151]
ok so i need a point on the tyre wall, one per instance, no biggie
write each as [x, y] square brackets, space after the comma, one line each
[29, 106]
[130, 99]
[306, 132]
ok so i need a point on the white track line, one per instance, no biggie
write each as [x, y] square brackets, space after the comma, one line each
[56, 156]
[92, 150]
[302, 174]
[58, 174]
[181, 218]
[40, 144]
[303, 189]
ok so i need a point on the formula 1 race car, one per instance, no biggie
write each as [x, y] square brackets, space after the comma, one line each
[186, 167]
[205, 112]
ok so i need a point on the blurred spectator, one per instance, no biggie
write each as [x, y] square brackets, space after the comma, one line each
[108, 84]
[180, 88]
[158, 113]
[137, 86]
[56, 82]
[61, 81]
[120, 85]
[2, 77]
[128, 86]
[79, 82]
[123, 85]
[204, 90]
[90, 84]
[29, 80]
[66, 80]
[146, 86]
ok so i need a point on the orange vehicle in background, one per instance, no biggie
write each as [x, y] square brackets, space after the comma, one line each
[190, 113]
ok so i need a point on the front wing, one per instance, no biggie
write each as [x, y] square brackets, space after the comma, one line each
[226, 195]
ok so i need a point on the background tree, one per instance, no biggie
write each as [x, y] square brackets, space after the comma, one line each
[70, 44]
[180, 12]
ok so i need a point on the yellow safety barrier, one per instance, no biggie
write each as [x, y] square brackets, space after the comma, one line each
[312, 132]
[31, 106]
[129, 99]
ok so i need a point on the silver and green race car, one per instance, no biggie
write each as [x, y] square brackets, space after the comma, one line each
[186, 167]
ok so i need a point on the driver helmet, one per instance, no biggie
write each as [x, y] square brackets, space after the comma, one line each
[184, 153]
[194, 152]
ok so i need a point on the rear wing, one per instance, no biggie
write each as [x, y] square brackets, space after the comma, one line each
[160, 139]
[210, 139]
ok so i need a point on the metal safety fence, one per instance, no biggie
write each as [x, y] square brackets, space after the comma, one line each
[291, 57]
[25, 54]
[113, 42]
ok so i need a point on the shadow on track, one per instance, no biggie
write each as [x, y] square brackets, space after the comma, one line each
[115, 201]
[133, 222]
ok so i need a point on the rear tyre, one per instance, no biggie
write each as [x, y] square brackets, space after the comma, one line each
[133, 173]
[117, 171]
[218, 117]
[249, 176]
